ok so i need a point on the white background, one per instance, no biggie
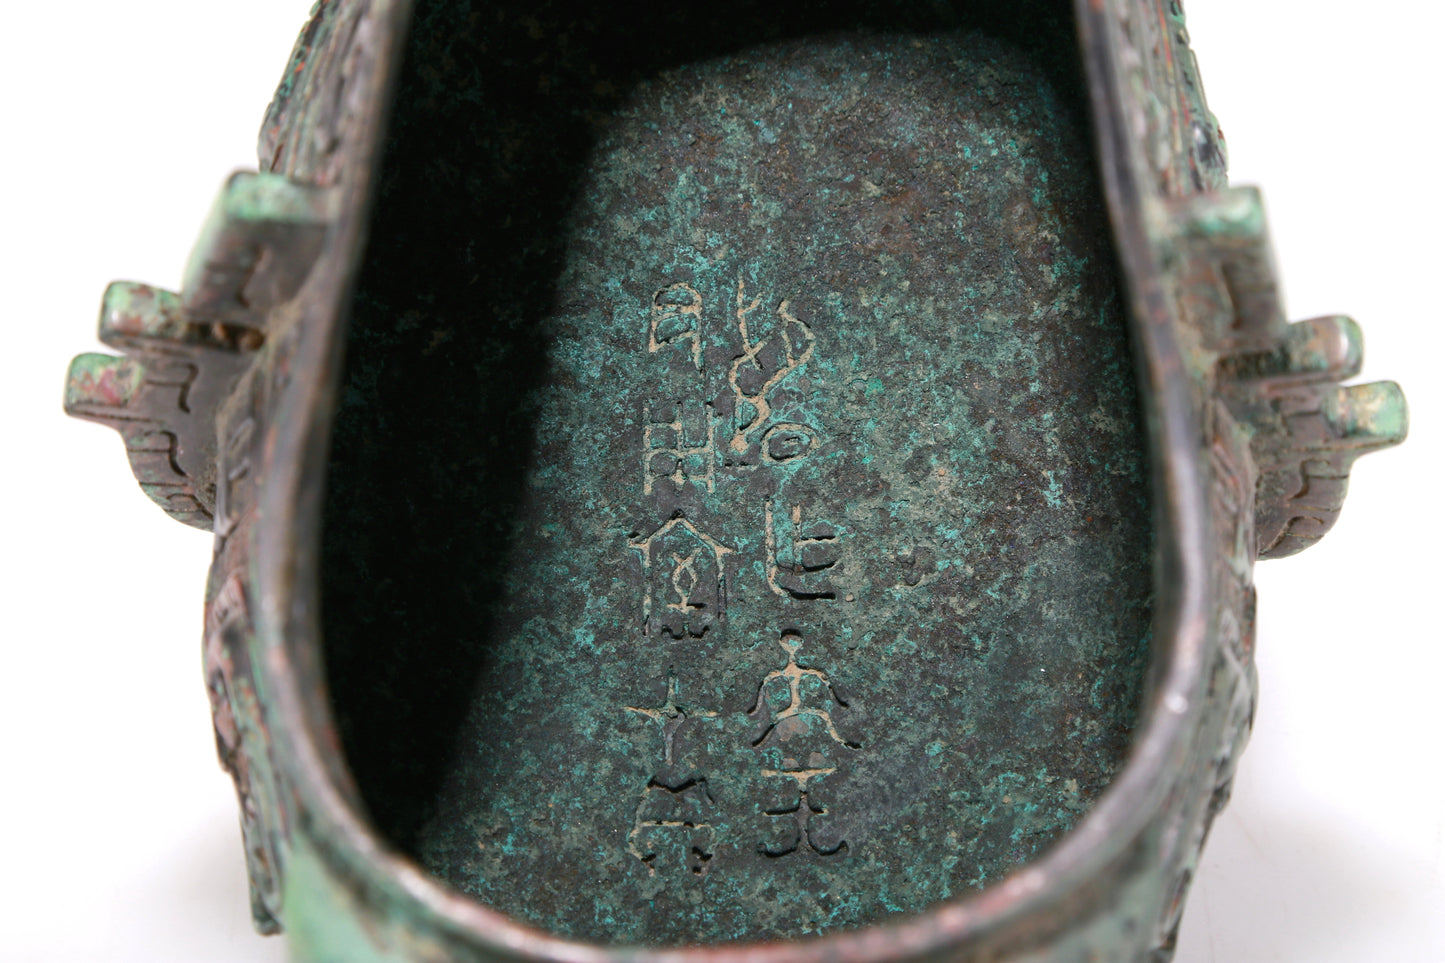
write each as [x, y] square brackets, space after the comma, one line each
[118, 838]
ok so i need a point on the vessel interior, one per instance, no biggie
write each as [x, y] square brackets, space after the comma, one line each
[737, 522]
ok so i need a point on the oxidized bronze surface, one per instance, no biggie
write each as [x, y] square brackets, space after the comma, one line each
[788, 564]
[788, 470]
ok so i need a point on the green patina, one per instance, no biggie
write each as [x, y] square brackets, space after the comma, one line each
[737, 523]
[104, 377]
[735, 526]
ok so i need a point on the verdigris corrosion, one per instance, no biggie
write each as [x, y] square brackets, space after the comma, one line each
[699, 518]
[755, 540]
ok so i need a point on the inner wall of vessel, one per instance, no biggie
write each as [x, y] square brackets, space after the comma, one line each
[738, 522]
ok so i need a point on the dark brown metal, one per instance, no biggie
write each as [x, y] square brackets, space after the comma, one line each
[228, 399]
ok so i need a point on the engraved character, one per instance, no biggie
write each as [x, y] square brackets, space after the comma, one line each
[679, 450]
[762, 366]
[799, 555]
[686, 580]
[799, 740]
[676, 318]
[675, 808]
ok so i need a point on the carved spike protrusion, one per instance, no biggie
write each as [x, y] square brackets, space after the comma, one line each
[137, 318]
[133, 397]
[1228, 229]
[256, 249]
[1328, 349]
[183, 352]
[1282, 381]
[1307, 428]
[1305, 445]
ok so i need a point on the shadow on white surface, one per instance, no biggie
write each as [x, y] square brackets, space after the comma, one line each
[1280, 888]
[193, 900]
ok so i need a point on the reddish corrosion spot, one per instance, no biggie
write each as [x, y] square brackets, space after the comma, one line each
[96, 379]
[109, 387]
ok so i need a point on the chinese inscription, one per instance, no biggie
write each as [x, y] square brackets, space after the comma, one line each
[799, 742]
[676, 317]
[688, 452]
[683, 568]
[761, 367]
[668, 454]
[675, 805]
[802, 558]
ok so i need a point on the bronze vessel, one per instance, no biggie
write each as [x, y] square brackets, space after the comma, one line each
[768, 483]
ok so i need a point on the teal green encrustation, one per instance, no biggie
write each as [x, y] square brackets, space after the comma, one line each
[787, 562]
